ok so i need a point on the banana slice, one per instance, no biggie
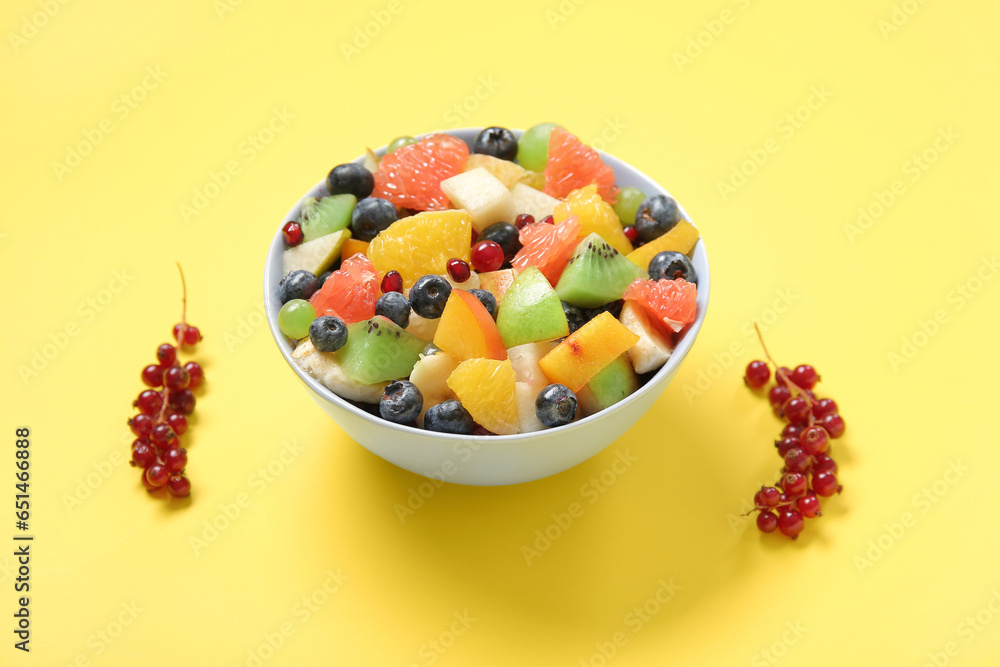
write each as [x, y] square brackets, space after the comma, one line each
[325, 367]
[652, 350]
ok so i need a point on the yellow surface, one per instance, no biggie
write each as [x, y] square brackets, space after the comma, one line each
[250, 103]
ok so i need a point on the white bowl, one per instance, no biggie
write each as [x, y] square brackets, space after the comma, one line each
[500, 459]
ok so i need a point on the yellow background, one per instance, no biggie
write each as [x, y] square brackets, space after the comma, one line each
[598, 68]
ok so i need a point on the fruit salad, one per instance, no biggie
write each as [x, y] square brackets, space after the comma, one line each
[505, 287]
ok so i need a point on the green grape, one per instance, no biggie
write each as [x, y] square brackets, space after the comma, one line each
[295, 317]
[399, 142]
[629, 200]
[533, 146]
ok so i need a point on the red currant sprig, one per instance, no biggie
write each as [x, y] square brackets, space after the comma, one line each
[163, 407]
[809, 472]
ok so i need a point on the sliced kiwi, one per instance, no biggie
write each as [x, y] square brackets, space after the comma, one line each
[596, 274]
[324, 215]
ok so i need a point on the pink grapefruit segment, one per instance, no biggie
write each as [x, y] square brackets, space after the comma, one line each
[670, 302]
[350, 292]
[547, 247]
[411, 176]
[573, 165]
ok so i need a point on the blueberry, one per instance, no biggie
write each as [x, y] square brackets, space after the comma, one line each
[323, 276]
[371, 216]
[401, 402]
[449, 417]
[428, 296]
[350, 179]
[496, 141]
[328, 333]
[671, 265]
[614, 307]
[505, 235]
[555, 405]
[574, 316]
[487, 299]
[395, 306]
[297, 285]
[656, 216]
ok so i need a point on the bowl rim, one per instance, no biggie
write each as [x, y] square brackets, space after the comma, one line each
[676, 356]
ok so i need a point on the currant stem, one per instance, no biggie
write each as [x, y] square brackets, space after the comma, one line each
[180, 342]
[784, 376]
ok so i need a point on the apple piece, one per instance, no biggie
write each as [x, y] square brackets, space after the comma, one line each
[482, 194]
[507, 172]
[315, 256]
[652, 349]
[533, 202]
[467, 331]
[613, 383]
[531, 311]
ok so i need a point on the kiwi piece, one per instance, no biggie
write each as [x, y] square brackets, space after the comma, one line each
[613, 383]
[377, 350]
[324, 215]
[596, 274]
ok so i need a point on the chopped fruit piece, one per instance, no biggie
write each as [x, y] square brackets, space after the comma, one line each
[670, 302]
[524, 360]
[480, 193]
[547, 247]
[411, 175]
[615, 382]
[325, 215]
[532, 202]
[496, 141]
[653, 348]
[595, 215]
[486, 389]
[596, 274]
[422, 244]
[525, 395]
[354, 247]
[585, 353]
[533, 146]
[430, 375]
[470, 283]
[377, 350]
[680, 239]
[497, 282]
[530, 311]
[572, 164]
[533, 179]
[505, 171]
[371, 160]
[350, 292]
[314, 256]
[422, 327]
[467, 331]
[326, 367]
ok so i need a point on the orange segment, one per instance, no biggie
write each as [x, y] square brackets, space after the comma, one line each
[467, 331]
[587, 351]
[486, 388]
[422, 244]
[596, 216]
[679, 239]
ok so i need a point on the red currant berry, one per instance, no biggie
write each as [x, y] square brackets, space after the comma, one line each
[149, 402]
[392, 282]
[191, 334]
[195, 373]
[487, 256]
[787, 444]
[757, 374]
[162, 434]
[824, 407]
[767, 522]
[175, 459]
[792, 430]
[814, 440]
[794, 484]
[178, 423]
[797, 460]
[141, 425]
[143, 455]
[796, 410]
[524, 219]
[182, 401]
[791, 523]
[176, 378]
[152, 375]
[808, 505]
[458, 269]
[166, 354]
[805, 376]
[834, 425]
[824, 463]
[632, 234]
[548, 220]
[779, 395]
[179, 486]
[781, 374]
[292, 233]
[157, 475]
[825, 484]
[770, 496]
[145, 483]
